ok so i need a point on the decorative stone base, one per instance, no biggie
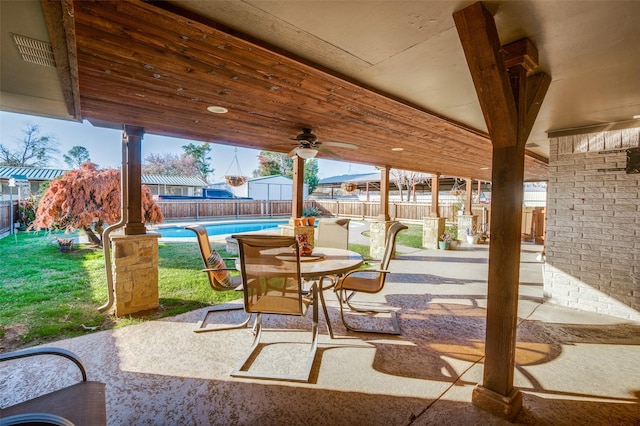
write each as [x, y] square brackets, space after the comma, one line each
[432, 228]
[506, 407]
[467, 222]
[378, 231]
[135, 273]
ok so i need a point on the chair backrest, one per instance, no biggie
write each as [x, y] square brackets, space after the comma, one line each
[333, 233]
[390, 244]
[219, 278]
[270, 267]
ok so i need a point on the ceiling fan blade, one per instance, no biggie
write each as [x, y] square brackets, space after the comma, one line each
[341, 145]
[328, 153]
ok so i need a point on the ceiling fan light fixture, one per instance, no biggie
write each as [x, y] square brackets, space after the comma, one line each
[306, 153]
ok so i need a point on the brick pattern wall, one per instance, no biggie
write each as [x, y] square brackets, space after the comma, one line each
[593, 225]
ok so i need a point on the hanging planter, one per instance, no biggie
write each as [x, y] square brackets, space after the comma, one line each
[349, 186]
[237, 179]
[456, 190]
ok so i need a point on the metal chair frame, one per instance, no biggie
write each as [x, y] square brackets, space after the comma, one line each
[270, 241]
[205, 251]
[374, 284]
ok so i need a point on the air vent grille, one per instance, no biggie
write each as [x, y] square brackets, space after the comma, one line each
[34, 51]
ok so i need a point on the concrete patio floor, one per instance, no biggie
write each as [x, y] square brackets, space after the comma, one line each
[573, 368]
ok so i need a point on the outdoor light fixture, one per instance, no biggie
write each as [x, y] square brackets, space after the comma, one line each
[306, 153]
[217, 109]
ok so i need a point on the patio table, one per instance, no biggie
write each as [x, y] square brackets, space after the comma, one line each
[326, 262]
[331, 262]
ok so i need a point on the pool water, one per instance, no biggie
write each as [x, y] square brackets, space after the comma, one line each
[223, 228]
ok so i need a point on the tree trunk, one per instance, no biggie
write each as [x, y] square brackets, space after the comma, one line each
[92, 236]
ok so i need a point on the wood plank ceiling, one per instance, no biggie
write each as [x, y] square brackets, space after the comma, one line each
[141, 65]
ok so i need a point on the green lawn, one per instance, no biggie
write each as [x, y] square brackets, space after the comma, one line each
[46, 295]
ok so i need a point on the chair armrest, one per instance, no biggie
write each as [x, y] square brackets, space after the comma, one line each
[366, 271]
[47, 351]
[219, 269]
[35, 419]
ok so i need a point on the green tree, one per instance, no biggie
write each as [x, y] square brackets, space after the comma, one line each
[272, 163]
[76, 156]
[311, 174]
[170, 165]
[200, 154]
[34, 149]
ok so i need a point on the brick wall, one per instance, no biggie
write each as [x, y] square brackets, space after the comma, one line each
[593, 225]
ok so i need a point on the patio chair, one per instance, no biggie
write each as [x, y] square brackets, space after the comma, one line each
[333, 233]
[219, 279]
[369, 281]
[271, 268]
[82, 403]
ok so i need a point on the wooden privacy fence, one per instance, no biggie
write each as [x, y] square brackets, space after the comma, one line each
[209, 209]
[533, 223]
[5, 216]
[397, 210]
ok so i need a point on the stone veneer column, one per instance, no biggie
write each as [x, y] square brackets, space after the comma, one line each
[378, 231]
[135, 273]
[467, 222]
[432, 228]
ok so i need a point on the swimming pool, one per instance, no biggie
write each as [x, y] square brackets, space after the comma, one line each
[222, 228]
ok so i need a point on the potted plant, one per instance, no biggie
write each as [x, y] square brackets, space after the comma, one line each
[444, 241]
[66, 244]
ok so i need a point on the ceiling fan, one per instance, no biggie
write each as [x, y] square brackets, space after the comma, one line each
[308, 145]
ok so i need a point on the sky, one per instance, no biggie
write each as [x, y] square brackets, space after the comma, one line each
[104, 147]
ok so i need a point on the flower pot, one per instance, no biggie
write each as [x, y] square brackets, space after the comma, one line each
[453, 244]
[66, 246]
[444, 245]
[472, 239]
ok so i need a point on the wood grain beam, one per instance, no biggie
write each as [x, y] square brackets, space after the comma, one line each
[481, 45]
[297, 202]
[510, 101]
[58, 17]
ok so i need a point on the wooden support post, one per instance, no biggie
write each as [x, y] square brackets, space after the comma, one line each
[384, 194]
[510, 102]
[435, 192]
[132, 137]
[297, 200]
[468, 199]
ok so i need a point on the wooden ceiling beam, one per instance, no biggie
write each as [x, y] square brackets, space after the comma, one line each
[138, 61]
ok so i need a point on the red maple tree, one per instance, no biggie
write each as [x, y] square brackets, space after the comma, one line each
[88, 198]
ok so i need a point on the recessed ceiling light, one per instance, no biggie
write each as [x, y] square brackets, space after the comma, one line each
[397, 149]
[217, 109]
[484, 168]
[637, 117]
